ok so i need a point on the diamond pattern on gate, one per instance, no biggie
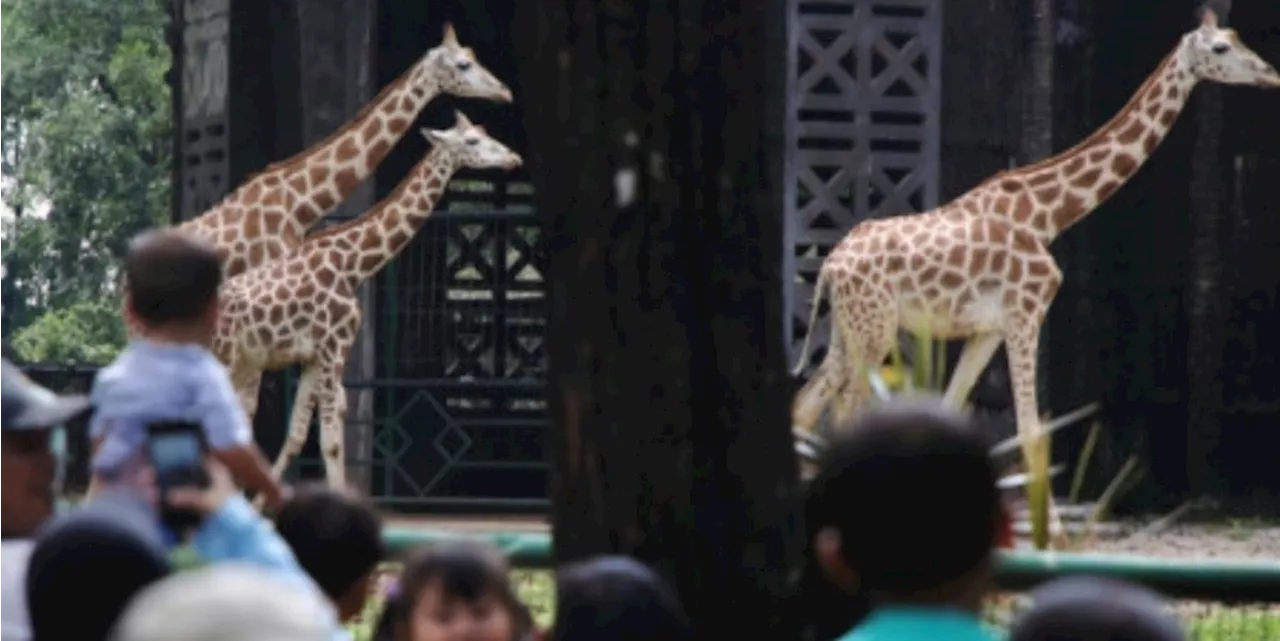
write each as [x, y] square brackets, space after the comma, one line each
[864, 122]
[394, 442]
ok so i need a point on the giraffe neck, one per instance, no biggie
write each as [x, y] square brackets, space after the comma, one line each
[365, 245]
[1049, 197]
[328, 172]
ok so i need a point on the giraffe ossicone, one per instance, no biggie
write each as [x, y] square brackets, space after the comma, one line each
[305, 310]
[978, 268]
[267, 217]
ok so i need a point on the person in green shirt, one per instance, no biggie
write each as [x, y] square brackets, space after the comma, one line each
[908, 514]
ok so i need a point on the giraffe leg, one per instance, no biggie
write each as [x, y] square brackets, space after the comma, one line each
[333, 420]
[304, 404]
[248, 393]
[831, 377]
[873, 340]
[978, 351]
[1022, 336]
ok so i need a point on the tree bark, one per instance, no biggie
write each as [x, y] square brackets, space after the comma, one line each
[656, 141]
[1206, 304]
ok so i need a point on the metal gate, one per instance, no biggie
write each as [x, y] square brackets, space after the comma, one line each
[864, 127]
[461, 324]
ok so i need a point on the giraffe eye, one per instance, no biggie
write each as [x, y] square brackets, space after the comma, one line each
[464, 65]
[1221, 48]
[471, 142]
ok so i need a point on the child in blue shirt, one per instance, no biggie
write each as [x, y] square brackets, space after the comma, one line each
[168, 374]
[906, 512]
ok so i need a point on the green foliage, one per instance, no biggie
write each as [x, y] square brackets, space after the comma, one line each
[83, 333]
[86, 121]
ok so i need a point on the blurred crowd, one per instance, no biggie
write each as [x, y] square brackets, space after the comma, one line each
[902, 522]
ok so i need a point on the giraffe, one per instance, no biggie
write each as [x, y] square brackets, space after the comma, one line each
[267, 217]
[303, 309]
[979, 267]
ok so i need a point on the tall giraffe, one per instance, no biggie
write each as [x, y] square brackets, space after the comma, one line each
[304, 310]
[979, 267]
[267, 217]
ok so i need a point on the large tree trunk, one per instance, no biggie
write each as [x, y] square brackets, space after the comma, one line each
[656, 140]
[1206, 303]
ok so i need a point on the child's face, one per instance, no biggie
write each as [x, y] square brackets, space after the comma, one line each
[436, 617]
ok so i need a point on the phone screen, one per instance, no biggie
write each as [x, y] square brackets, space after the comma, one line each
[175, 451]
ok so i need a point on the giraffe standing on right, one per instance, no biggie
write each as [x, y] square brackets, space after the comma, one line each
[979, 267]
[266, 218]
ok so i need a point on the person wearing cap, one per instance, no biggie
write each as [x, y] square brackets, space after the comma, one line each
[29, 416]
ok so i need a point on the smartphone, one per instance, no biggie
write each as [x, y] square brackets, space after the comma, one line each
[176, 451]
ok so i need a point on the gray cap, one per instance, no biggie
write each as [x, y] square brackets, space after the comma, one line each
[25, 405]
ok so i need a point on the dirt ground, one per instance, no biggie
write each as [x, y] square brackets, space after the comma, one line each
[1193, 540]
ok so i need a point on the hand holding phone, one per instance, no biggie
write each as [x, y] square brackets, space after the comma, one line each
[177, 453]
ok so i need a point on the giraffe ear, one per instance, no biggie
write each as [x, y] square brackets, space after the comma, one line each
[434, 137]
[460, 121]
[1209, 19]
[450, 36]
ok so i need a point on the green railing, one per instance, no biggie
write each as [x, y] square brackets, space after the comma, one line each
[1219, 600]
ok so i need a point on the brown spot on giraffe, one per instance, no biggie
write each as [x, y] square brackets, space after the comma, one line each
[1042, 178]
[1087, 179]
[1106, 189]
[1131, 133]
[1124, 165]
[347, 150]
[978, 260]
[1049, 194]
[347, 180]
[1150, 142]
[371, 130]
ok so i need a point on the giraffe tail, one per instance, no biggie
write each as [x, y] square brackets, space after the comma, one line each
[819, 289]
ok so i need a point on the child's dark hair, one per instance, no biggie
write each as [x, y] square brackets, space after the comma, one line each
[1085, 608]
[336, 536]
[892, 480]
[171, 275]
[616, 598]
[465, 570]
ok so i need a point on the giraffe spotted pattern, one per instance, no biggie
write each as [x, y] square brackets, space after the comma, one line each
[979, 267]
[304, 309]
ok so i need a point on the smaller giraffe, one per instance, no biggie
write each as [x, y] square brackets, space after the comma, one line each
[979, 267]
[304, 310]
[267, 217]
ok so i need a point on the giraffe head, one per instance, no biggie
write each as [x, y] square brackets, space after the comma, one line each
[454, 69]
[1217, 54]
[470, 146]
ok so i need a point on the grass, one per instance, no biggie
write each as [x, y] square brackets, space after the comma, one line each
[1237, 624]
